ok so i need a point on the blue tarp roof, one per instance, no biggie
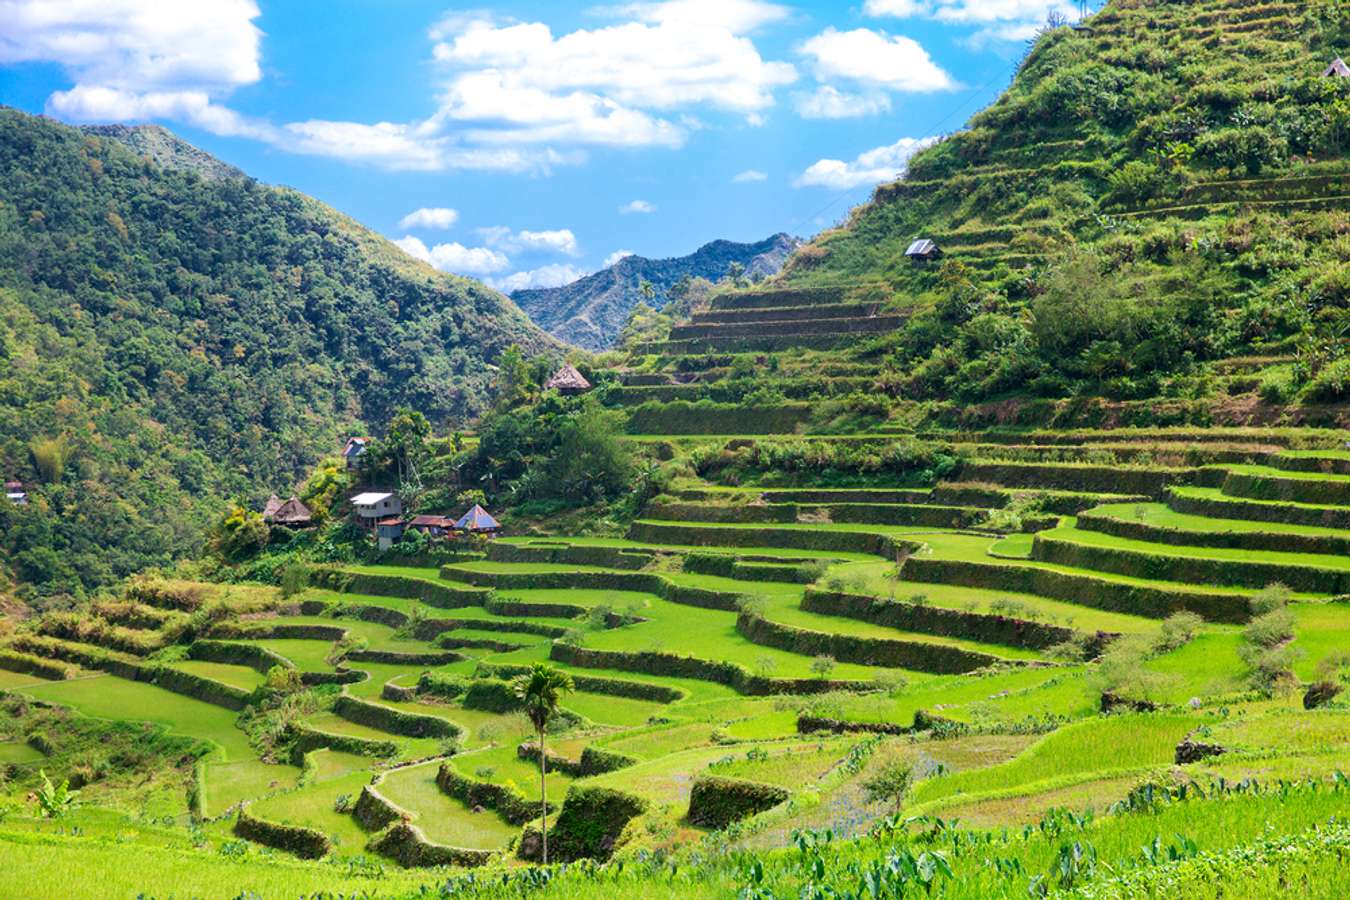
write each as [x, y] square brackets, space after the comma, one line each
[477, 519]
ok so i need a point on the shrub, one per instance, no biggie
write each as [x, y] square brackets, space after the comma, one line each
[1177, 631]
[716, 802]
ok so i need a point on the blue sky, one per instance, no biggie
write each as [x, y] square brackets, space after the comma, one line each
[528, 143]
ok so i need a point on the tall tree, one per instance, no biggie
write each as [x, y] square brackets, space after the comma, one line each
[541, 691]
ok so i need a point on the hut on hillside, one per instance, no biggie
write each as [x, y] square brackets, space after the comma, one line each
[293, 514]
[477, 521]
[389, 530]
[436, 526]
[270, 507]
[353, 449]
[568, 380]
[15, 493]
[924, 250]
[1338, 69]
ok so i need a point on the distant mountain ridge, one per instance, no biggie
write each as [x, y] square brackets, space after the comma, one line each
[591, 311]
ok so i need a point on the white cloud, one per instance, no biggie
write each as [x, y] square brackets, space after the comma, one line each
[641, 207]
[749, 175]
[876, 59]
[615, 257]
[455, 257]
[873, 167]
[519, 83]
[561, 240]
[429, 217]
[828, 102]
[998, 20]
[137, 45]
[543, 277]
[971, 11]
[736, 16]
[511, 96]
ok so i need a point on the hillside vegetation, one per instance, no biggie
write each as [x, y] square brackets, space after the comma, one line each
[170, 340]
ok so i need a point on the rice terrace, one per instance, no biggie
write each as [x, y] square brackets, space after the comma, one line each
[992, 542]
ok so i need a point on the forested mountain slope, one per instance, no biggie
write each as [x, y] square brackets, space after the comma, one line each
[1160, 189]
[168, 340]
[591, 311]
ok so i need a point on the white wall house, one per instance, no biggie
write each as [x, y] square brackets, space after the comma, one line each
[371, 507]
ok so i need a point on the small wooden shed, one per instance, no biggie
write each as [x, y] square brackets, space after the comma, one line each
[924, 250]
[568, 380]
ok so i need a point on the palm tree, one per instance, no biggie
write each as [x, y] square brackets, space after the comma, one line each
[541, 691]
[647, 291]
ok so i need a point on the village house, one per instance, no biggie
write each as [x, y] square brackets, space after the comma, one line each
[373, 506]
[388, 531]
[15, 493]
[436, 526]
[568, 380]
[351, 453]
[1339, 68]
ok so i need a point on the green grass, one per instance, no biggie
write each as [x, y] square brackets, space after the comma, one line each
[878, 579]
[1116, 745]
[312, 806]
[443, 819]
[1159, 515]
[234, 774]
[1068, 532]
[241, 677]
[501, 765]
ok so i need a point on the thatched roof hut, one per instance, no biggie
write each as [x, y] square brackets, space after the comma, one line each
[293, 513]
[271, 506]
[1338, 69]
[568, 380]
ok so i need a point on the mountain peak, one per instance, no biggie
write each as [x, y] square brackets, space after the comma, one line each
[165, 149]
[591, 311]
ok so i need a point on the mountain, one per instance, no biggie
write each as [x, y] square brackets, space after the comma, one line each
[590, 312]
[173, 334]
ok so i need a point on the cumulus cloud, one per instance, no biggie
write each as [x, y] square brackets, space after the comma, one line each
[561, 240]
[872, 167]
[828, 102]
[511, 96]
[749, 175]
[639, 207]
[137, 45]
[517, 82]
[1005, 20]
[455, 257]
[543, 277]
[615, 257]
[429, 217]
[875, 59]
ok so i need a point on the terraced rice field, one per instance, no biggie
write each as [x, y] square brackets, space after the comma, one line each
[758, 633]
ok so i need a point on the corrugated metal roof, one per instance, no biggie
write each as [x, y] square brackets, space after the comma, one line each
[369, 499]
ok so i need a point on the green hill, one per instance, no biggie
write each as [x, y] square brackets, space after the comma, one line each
[170, 339]
[1156, 208]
